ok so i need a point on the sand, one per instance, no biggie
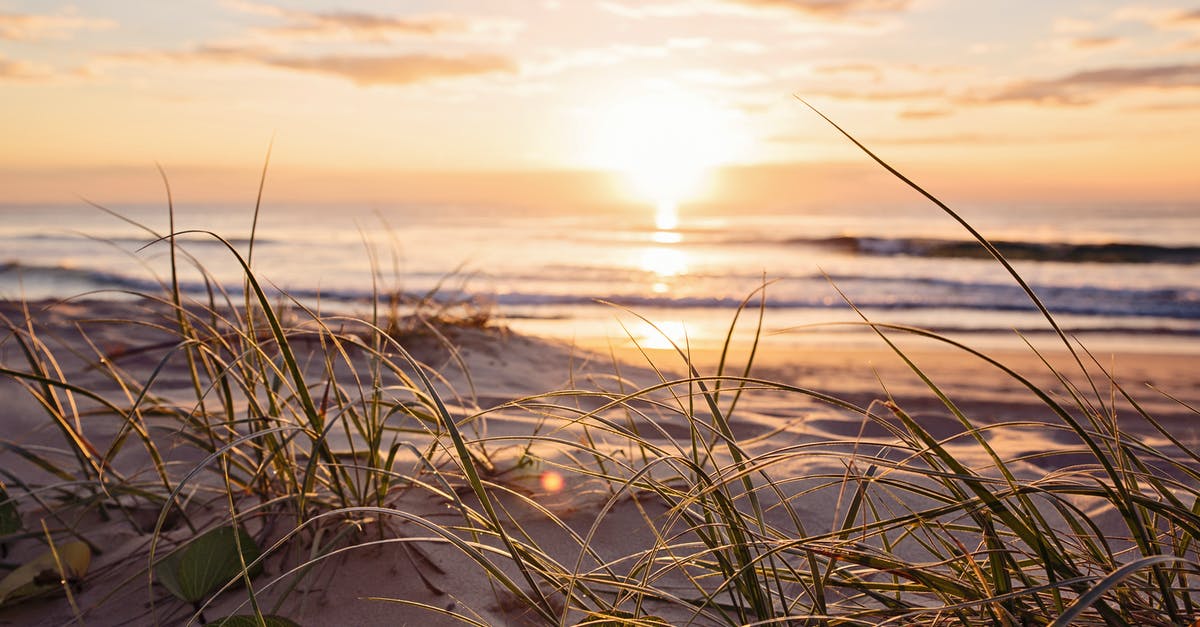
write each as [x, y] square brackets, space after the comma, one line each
[492, 368]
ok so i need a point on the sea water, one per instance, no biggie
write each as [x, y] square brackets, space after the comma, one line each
[1121, 275]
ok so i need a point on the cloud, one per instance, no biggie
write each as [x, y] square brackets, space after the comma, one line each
[14, 70]
[1166, 19]
[1086, 87]
[1187, 18]
[202, 54]
[1160, 18]
[719, 78]
[1066, 25]
[369, 27]
[953, 139]
[879, 95]
[560, 60]
[877, 72]
[924, 114]
[365, 70]
[831, 10]
[63, 25]
[1167, 107]
[399, 69]
[365, 26]
[868, 70]
[1094, 43]
[986, 138]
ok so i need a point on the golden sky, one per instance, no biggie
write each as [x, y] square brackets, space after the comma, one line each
[461, 100]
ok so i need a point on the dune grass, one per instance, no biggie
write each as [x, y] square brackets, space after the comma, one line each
[311, 437]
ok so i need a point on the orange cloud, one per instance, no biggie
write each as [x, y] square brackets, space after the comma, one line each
[397, 70]
[877, 72]
[405, 69]
[1086, 87]
[827, 9]
[369, 27]
[924, 114]
[1187, 19]
[11, 69]
[1094, 43]
[880, 95]
[831, 8]
[25, 27]
[208, 53]
[365, 26]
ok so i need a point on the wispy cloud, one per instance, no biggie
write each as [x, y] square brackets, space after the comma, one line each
[365, 70]
[1068, 25]
[986, 138]
[1190, 19]
[14, 70]
[63, 25]
[725, 79]
[924, 114]
[877, 72]
[560, 60]
[833, 10]
[1089, 86]
[369, 27]
[1094, 43]
[398, 69]
[868, 70]
[953, 139]
[209, 53]
[1162, 18]
[1167, 107]
[365, 26]
[830, 8]
[880, 95]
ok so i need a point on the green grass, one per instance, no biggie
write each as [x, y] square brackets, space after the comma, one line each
[317, 433]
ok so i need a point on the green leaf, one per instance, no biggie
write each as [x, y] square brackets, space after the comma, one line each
[249, 620]
[10, 518]
[207, 563]
[41, 575]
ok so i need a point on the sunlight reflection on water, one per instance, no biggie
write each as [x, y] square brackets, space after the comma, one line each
[666, 217]
[664, 262]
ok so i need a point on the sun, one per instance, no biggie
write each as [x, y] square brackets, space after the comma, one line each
[664, 142]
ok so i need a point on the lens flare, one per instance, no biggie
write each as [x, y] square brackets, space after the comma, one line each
[552, 481]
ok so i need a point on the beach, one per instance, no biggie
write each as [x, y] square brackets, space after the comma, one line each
[377, 558]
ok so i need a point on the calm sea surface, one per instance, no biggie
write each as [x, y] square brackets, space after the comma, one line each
[1122, 276]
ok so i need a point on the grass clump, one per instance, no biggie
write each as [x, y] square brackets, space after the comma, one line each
[300, 442]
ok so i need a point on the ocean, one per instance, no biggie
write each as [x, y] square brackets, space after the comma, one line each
[1120, 277]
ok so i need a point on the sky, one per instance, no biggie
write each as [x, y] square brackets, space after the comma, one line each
[669, 100]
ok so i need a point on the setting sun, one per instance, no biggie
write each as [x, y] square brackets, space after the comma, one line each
[665, 142]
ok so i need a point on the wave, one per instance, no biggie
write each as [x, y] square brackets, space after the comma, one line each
[188, 239]
[868, 292]
[1115, 252]
[1173, 304]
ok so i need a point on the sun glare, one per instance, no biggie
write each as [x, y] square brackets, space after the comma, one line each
[665, 143]
[664, 262]
[664, 334]
[666, 217]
